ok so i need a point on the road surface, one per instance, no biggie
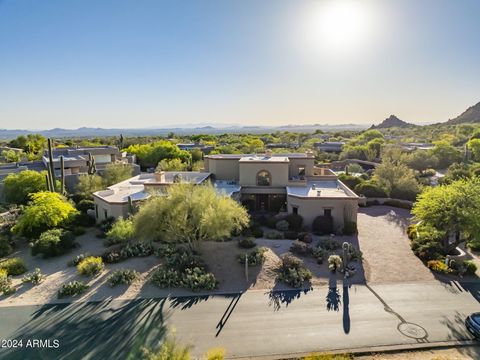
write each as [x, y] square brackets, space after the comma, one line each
[254, 323]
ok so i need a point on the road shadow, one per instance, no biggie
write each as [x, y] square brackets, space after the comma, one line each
[281, 297]
[93, 330]
[346, 309]
[333, 298]
[398, 216]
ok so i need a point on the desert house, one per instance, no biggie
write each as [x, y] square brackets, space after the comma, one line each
[262, 182]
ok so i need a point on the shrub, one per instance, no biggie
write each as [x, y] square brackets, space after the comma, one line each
[439, 266]
[112, 257]
[216, 353]
[328, 244]
[350, 180]
[329, 357]
[197, 279]
[300, 248]
[398, 203]
[323, 225]
[350, 228]
[354, 254]
[474, 245]
[290, 235]
[274, 235]
[247, 243]
[271, 222]
[169, 350]
[53, 242]
[78, 231]
[470, 267]
[184, 259]
[6, 287]
[319, 254]
[121, 232]
[257, 232]
[427, 246]
[35, 277]
[140, 249]
[305, 237]
[123, 276]
[83, 219]
[13, 266]
[92, 265]
[165, 250]
[282, 225]
[293, 271]
[5, 247]
[295, 221]
[107, 224]
[73, 288]
[85, 205]
[370, 189]
[334, 262]
[412, 231]
[255, 257]
[166, 278]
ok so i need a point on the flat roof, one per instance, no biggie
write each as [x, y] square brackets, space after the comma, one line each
[226, 187]
[239, 156]
[321, 189]
[264, 159]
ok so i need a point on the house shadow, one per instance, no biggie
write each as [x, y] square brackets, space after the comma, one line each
[399, 216]
[280, 297]
[93, 330]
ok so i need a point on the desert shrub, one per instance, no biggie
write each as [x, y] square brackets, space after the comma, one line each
[53, 242]
[257, 232]
[197, 279]
[439, 266]
[427, 246]
[5, 246]
[271, 222]
[247, 243]
[169, 350]
[83, 219]
[78, 231]
[6, 287]
[216, 353]
[255, 257]
[354, 254]
[293, 272]
[322, 225]
[412, 231]
[305, 237]
[474, 245]
[112, 257]
[328, 244]
[300, 248]
[470, 267]
[165, 250]
[76, 260]
[274, 235]
[122, 276]
[90, 266]
[350, 228]
[398, 203]
[13, 266]
[329, 357]
[35, 277]
[282, 225]
[295, 221]
[121, 232]
[140, 249]
[107, 224]
[319, 254]
[370, 189]
[334, 262]
[290, 235]
[85, 205]
[166, 278]
[350, 180]
[73, 288]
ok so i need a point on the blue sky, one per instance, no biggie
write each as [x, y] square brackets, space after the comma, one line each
[159, 63]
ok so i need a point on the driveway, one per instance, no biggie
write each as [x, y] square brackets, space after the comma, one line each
[387, 256]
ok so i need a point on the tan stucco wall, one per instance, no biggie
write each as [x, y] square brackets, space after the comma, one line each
[295, 163]
[249, 170]
[115, 210]
[223, 169]
[310, 208]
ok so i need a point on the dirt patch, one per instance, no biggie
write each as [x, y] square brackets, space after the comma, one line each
[387, 256]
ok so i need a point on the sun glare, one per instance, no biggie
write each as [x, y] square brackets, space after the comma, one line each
[337, 27]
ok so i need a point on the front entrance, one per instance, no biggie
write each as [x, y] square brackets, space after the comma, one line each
[265, 202]
[262, 202]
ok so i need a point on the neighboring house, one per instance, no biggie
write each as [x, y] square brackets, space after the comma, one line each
[412, 146]
[330, 146]
[277, 183]
[206, 149]
[293, 145]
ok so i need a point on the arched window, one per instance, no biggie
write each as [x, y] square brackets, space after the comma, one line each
[263, 178]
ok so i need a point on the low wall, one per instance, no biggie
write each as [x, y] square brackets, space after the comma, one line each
[405, 204]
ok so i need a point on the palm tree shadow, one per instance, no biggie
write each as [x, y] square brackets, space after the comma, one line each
[333, 296]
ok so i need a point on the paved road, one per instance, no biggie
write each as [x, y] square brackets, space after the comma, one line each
[254, 323]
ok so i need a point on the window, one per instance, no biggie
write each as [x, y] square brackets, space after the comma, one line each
[327, 212]
[105, 214]
[295, 210]
[301, 170]
[96, 211]
[263, 178]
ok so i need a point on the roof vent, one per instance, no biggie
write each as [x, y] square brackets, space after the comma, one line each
[313, 186]
[318, 192]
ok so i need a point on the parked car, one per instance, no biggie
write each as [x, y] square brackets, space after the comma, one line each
[472, 322]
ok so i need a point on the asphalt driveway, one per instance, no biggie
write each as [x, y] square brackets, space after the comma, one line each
[387, 256]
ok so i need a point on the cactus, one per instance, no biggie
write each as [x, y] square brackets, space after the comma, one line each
[51, 167]
[47, 179]
[131, 207]
[62, 175]
[92, 167]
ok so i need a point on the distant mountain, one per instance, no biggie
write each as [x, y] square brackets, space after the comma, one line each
[471, 115]
[390, 122]
[86, 132]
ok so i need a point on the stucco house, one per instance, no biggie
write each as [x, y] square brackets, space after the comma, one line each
[262, 182]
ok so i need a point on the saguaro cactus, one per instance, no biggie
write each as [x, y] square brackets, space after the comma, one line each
[62, 175]
[92, 167]
[51, 167]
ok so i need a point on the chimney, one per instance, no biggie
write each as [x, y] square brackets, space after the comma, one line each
[160, 176]
[268, 153]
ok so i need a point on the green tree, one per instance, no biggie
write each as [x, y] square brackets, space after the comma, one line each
[18, 187]
[446, 154]
[453, 209]
[421, 161]
[474, 146]
[88, 184]
[171, 165]
[115, 173]
[47, 210]
[149, 155]
[12, 155]
[397, 180]
[189, 214]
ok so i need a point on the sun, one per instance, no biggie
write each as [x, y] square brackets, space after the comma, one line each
[339, 26]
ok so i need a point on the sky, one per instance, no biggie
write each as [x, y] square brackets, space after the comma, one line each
[154, 63]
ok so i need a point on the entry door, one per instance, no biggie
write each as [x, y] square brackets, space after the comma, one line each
[262, 202]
